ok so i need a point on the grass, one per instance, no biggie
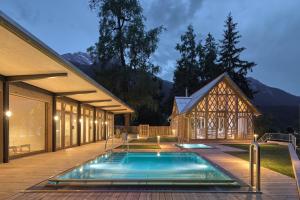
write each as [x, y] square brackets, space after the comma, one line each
[154, 139]
[139, 147]
[273, 156]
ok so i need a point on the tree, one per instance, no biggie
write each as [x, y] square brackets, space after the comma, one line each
[209, 67]
[187, 72]
[230, 56]
[124, 51]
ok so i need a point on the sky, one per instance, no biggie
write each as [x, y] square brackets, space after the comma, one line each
[270, 30]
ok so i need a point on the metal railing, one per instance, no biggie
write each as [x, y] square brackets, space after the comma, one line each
[282, 137]
[254, 158]
[112, 144]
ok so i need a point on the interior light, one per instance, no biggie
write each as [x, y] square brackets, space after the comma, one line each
[8, 113]
[80, 120]
[96, 122]
[56, 117]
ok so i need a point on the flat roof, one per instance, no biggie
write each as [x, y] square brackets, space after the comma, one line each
[21, 53]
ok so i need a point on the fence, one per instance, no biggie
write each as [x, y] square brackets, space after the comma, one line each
[144, 130]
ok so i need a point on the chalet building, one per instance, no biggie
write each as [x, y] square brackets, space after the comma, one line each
[219, 110]
[47, 104]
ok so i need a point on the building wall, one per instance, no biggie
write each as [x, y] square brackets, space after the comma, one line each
[101, 124]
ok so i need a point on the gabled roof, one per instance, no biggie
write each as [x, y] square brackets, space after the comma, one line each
[196, 97]
[181, 102]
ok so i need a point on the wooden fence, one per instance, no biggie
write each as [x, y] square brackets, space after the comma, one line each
[144, 130]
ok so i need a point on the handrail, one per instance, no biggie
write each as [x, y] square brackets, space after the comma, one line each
[290, 138]
[254, 154]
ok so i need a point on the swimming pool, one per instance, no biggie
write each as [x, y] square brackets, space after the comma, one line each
[194, 146]
[141, 168]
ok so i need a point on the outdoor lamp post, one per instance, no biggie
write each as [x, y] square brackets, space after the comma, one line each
[255, 137]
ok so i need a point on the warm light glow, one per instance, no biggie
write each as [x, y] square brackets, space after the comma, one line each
[96, 122]
[56, 118]
[255, 137]
[138, 137]
[80, 120]
[8, 113]
[106, 122]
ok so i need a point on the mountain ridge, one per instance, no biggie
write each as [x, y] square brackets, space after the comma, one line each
[263, 93]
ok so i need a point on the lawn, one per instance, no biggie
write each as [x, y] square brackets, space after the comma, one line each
[139, 147]
[154, 139]
[273, 156]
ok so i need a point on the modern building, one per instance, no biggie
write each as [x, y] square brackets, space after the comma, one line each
[47, 104]
[219, 110]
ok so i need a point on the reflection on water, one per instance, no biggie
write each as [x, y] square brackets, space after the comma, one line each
[143, 166]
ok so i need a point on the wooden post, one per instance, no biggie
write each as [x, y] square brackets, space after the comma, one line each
[53, 123]
[236, 116]
[5, 122]
[206, 117]
[94, 124]
[78, 124]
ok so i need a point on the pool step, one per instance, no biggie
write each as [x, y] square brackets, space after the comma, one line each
[118, 158]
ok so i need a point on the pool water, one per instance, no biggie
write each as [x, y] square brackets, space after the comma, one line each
[194, 146]
[147, 167]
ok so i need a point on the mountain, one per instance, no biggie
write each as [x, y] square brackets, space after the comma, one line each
[280, 109]
[270, 96]
[78, 58]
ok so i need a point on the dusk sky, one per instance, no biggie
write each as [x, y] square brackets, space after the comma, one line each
[270, 30]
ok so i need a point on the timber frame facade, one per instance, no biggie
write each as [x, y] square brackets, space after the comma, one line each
[218, 111]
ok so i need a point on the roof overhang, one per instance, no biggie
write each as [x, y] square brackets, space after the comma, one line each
[23, 55]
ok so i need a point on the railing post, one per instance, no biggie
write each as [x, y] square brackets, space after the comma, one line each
[254, 150]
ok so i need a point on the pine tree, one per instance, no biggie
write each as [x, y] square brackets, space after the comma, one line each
[187, 72]
[230, 56]
[209, 67]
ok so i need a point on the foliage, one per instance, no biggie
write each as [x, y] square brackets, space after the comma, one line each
[274, 157]
[230, 56]
[122, 56]
[187, 72]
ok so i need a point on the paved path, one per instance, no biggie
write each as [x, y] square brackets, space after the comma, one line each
[22, 173]
[19, 174]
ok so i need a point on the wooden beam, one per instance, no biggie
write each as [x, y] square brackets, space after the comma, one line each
[75, 92]
[117, 110]
[18, 78]
[97, 101]
[110, 106]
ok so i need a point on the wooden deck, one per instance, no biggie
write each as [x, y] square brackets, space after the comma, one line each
[20, 174]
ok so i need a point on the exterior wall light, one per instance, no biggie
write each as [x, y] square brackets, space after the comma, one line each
[56, 118]
[8, 113]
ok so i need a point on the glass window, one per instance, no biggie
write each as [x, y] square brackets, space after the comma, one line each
[27, 125]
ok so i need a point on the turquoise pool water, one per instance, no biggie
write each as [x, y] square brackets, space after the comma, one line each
[147, 167]
[194, 146]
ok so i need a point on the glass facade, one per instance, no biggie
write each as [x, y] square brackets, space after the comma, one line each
[27, 125]
[87, 126]
[66, 126]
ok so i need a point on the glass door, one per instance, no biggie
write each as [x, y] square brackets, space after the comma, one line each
[67, 130]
